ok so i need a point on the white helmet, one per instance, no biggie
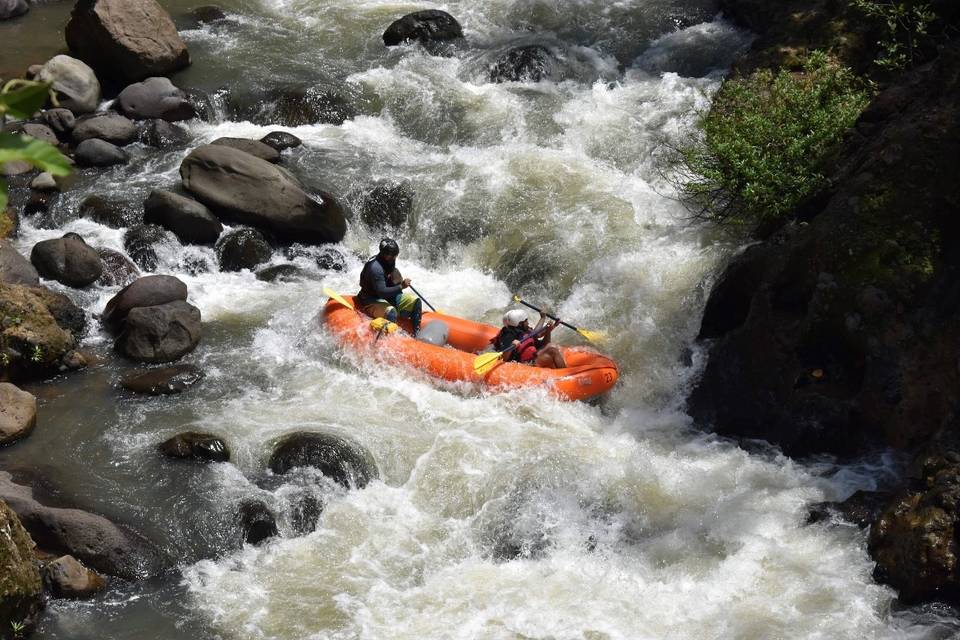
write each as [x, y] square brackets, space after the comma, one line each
[514, 317]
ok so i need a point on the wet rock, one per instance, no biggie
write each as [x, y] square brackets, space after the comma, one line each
[15, 168]
[207, 14]
[111, 127]
[164, 381]
[429, 27]
[248, 190]
[155, 98]
[61, 121]
[162, 333]
[18, 413]
[32, 342]
[12, 9]
[332, 259]
[139, 243]
[118, 269]
[92, 539]
[253, 147]
[14, 268]
[281, 273]
[99, 153]
[21, 590]
[281, 140]
[68, 260]
[128, 40]
[40, 132]
[108, 212]
[529, 63]
[257, 522]
[66, 577]
[387, 205]
[148, 291]
[294, 106]
[242, 249]
[861, 509]
[337, 458]
[66, 314]
[203, 447]
[44, 182]
[75, 84]
[189, 220]
[305, 514]
[161, 134]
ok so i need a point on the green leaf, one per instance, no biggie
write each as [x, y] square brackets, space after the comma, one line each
[25, 101]
[40, 154]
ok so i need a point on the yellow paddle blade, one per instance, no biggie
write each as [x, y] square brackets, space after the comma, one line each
[330, 293]
[593, 336]
[485, 362]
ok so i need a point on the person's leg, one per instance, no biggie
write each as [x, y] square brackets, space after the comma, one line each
[380, 309]
[551, 357]
[410, 306]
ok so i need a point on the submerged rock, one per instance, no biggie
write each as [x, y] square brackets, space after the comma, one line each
[161, 333]
[427, 27]
[127, 40]
[161, 134]
[109, 212]
[139, 244]
[281, 140]
[339, 459]
[387, 205]
[75, 84]
[257, 522]
[242, 249]
[188, 219]
[21, 590]
[148, 291]
[66, 577]
[118, 269]
[196, 446]
[18, 413]
[861, 509]
[294, 106]
[163, 381]
[68, 260]
[530, 63]
[281, 273]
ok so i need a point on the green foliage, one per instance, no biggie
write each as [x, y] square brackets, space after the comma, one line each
[21, 99]
[759, 150]
[905, 27]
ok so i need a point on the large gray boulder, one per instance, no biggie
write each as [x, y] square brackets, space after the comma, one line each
[242, 188]
[253, 147]
[18, 413]
[188, 219]
[99, 153]
[429, 27]
[161, 333]
[148, 291]
[90, 538]
[128, 40]
[14, 268]
[13, 8]
[112, 127]
[68, 260]
[74, 82]
[155, 98]
[339, 459]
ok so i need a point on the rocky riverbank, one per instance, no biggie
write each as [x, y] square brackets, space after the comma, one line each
[838, 332]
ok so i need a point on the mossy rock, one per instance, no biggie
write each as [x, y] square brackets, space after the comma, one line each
[31, 341]
[20, 584]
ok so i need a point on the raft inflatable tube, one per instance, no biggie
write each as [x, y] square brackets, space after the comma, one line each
[588, 375]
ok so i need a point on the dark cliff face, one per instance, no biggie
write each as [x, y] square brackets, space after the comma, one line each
[843, 332]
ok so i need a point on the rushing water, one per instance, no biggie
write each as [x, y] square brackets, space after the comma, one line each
[495, 516]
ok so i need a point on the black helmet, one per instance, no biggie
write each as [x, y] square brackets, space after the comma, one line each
[389, 247]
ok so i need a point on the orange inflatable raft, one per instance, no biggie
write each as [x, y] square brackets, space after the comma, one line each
[587, 375]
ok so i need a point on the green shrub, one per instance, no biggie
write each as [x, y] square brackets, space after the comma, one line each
[760, 149]
[904, 28]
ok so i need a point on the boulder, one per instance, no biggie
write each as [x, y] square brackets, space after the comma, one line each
[40, 132]
[44, 182]
[14, 268]
[128, 40]
[294, 106]
[281, 140]
[118, 269]
[155, 98]
[18, 413]
[861, 509]
[68, 260]
[196, 446]
[253, 147]
[139, 241]
[164, 381]
[66, 577]
[162, 333]
[281, 273]
[9, 223]
[12, 9]
[257, 522]
[148, 291]
[99, 153]
[387, 205]
[207, 14]
[15, 168]
[248, 190]
[21, 590]
[66, 314]
[529, 63]
[339, 459]
[33, 344]
[75, 84]
[108, 212]
[429, 27]
[111, 127]
[189, 220]
[160, 134]
[61, 121]
[92, 539]
[242, 249]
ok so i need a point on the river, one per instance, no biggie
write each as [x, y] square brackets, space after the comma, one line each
[500, 516]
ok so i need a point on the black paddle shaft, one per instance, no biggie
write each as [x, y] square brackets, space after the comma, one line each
[552, 317]
[422, 298]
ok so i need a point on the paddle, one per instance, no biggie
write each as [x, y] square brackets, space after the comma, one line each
[486, 362]
[592, 336]
[330, 293]
[420, 295]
